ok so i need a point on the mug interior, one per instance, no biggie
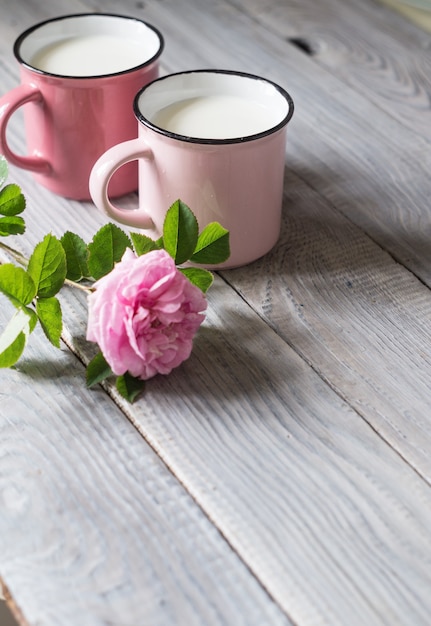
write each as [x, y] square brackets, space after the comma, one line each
[226, 86]
[144, 43]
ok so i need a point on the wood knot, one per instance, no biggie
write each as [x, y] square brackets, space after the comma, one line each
[302, 44]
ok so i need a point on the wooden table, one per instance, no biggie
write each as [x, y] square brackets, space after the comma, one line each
[281, 475]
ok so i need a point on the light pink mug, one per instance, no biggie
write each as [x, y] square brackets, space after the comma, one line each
[79, 76]
[214, 139]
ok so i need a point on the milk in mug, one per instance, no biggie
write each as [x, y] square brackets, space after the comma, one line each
[90, 55]
[216, 117]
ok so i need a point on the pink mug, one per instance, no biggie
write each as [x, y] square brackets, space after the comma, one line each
[214, 139]
[79, 75]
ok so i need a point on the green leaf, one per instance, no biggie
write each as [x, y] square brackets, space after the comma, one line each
[212, 246]
[47, 266]
[17, 284]
[14, 336]
[76, 251]
[4, 170]
[143, 244]
[11, 226]
[130, 387]
[97, 370]
[180, 232]
[49, 313]
[11, 354]
[12, 201]
[106, 249]
[199, 277]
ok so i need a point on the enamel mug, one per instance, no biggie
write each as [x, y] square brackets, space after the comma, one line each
[214, 139]
[79, 76]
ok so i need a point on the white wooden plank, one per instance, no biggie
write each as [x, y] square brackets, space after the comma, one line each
[337, 524]
[22, 14]
[332, 521]
[245, 409]
[375, 51]
[358, 318]
[417, 12]
[93, 527]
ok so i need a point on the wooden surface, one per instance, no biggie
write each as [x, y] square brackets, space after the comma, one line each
[282, 474]
[418, 11]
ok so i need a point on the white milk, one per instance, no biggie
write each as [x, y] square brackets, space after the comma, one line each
[89, 55]
[216, 117]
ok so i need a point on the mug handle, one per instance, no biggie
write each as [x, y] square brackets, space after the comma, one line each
[103, 170]
[9, 104]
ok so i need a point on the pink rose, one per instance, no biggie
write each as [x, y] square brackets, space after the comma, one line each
[144, 315]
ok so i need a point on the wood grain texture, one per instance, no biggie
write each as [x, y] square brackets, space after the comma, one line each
[360, 43]
[300, 425]
[93, 528]
[358, 318]
[415, 12]
[316, 504]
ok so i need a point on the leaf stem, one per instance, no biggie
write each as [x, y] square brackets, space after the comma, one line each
[72, 283]
[20, 258]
